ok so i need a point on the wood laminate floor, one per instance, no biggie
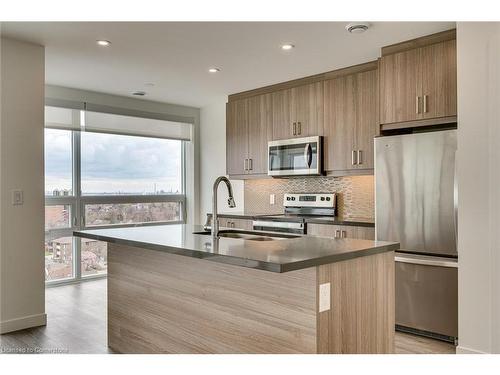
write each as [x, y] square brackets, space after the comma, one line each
[76, 323]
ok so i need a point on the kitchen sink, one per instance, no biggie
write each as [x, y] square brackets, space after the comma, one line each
[251, 235]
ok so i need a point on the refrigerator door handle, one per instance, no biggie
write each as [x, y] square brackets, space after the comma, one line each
[455, 201]
[426, 261]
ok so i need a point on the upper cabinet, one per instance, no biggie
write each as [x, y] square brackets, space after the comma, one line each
[439, 79]
[419, 83]
[259, 132]
[413, 84]
[236, 137]
[248, 129]
[298, 112]
[351, 122]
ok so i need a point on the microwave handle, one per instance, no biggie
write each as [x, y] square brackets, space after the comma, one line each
[308, 155]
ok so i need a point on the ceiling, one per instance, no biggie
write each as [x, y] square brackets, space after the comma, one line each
[175, 56]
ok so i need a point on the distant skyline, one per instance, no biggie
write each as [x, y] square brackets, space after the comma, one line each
[113, 163]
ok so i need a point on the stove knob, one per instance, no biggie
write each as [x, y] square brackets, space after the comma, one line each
[293, 198]
[287, 198]
[322, 198]
[327, 198]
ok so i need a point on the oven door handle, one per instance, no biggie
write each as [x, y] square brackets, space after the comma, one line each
[308, 155]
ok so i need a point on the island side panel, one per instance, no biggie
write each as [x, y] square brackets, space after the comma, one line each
[165, 303]
[361, 317]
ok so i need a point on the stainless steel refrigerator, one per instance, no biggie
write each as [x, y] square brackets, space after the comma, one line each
[416, 205]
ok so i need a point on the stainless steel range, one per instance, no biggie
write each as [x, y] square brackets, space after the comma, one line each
[297, 207]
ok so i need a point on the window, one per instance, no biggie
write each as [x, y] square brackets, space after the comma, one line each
[58, 242]
[99, 179]
[58, 162]
[131, 213]
[94, 259]
[124, 165]
[58, 258]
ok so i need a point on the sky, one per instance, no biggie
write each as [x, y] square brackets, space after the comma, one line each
[114, 164]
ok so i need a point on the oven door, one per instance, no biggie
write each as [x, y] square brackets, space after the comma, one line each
[295, 157]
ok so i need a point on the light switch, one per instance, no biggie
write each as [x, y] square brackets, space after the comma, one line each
[324, 297]
[271, 198]
[17, 197]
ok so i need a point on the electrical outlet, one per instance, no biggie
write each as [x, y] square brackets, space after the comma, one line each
[17, 197]
[324, 297]
[272, 198]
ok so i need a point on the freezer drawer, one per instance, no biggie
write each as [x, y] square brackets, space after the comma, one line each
[427, 294]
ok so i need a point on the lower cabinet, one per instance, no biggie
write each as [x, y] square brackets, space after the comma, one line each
[244, 224]
[341, 231]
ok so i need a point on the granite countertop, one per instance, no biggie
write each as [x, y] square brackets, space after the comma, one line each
[281, 255]
[335, 220]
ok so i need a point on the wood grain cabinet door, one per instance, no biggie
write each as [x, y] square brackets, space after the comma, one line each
[224, 222]
[339, 123]
[282, 114]
[335, 231]
[367, 126]
[438, 65]
[365, 233]
[399, 87]
[307, 110]
[236, 137]
[259, 132]
[244, 224]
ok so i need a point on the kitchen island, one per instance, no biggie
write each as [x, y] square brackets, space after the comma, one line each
[172, 289]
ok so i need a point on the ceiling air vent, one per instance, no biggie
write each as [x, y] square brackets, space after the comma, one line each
[357, 27]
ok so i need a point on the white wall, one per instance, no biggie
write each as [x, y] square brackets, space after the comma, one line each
[213, 159]
[182, 112]
[22, 279]
[478, 49]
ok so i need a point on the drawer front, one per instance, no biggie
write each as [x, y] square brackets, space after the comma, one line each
[341, 231]
[427, 298]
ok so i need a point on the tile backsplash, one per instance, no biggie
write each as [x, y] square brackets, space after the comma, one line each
[355, 194]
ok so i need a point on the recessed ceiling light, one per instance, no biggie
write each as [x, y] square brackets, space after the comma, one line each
[139, 93]
[287, 47]
[357, 27]
[103, 42]
[213, 70]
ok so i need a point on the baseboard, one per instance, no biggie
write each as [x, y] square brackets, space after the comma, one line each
[23, 323]
[464, 350]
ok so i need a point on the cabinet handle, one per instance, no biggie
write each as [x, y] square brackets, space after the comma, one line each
[360, 157]
[294, 128]
[354, 158]
[245, 163]
[299, 128]
[344, 234]
[425, 103]
[337, 233]
[417, 106]
[250, 164]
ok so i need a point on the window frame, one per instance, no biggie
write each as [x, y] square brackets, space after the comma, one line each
[77, 203]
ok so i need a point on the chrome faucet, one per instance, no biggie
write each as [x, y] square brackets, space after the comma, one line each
[230, 202]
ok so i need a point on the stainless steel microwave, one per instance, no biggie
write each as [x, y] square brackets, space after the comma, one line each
[295, 157]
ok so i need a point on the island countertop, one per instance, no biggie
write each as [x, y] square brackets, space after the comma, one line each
[280, 255]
